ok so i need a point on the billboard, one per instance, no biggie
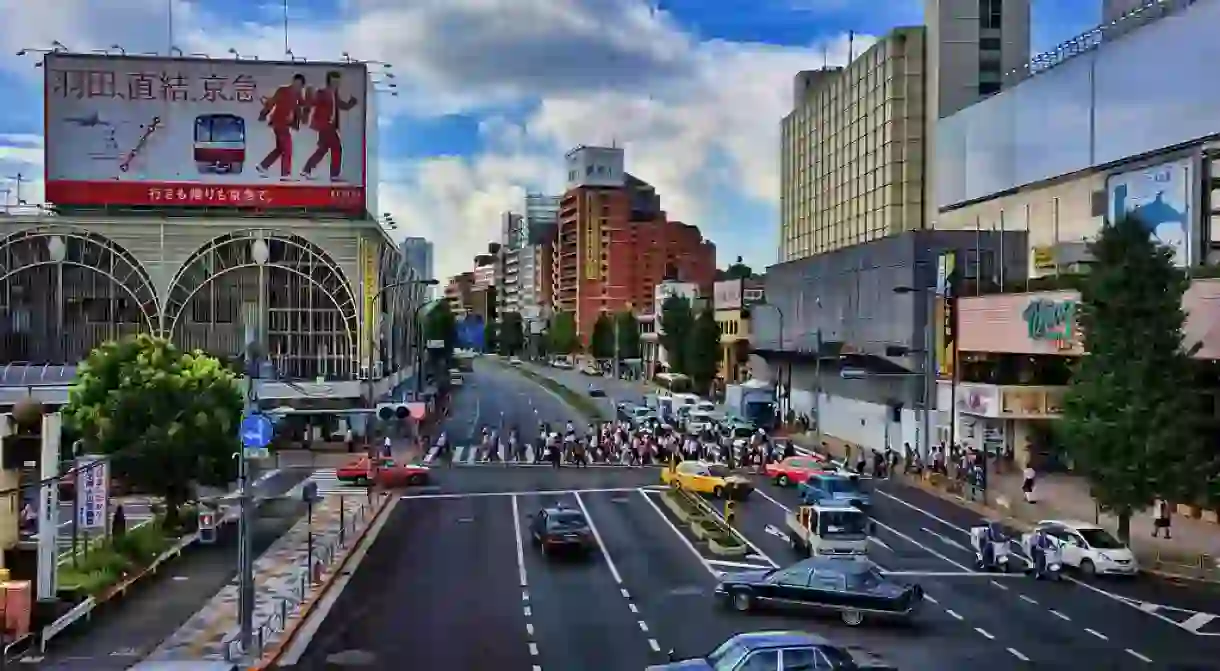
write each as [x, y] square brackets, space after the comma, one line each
[726, 295]
[93, 492]
[1160, 196]
[946, 315]
[179, 132]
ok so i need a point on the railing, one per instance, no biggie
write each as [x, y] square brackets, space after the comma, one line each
[303, 582]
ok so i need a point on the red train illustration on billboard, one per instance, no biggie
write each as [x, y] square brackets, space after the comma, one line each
[220, 144]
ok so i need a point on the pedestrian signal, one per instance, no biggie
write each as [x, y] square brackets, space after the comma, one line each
[388, 411]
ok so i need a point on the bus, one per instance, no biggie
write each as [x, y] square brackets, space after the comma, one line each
[675, 383]
[220, 144]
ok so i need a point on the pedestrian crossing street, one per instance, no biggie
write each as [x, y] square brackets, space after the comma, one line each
[469, 456]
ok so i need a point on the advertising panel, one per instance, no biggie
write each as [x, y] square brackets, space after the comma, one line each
[1160, 197]
[92, 492]
[593, 249]
[178, 132]
[1107, 104]
[727, 295]
[368, 292]
[946, 315]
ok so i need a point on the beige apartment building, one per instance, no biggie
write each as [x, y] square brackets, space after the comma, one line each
[853, 156]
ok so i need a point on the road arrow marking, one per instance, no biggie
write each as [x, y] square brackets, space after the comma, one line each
[946, 540]
[777, 533]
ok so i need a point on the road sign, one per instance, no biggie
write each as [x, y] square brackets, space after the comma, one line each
[436, 344]
[256, 431]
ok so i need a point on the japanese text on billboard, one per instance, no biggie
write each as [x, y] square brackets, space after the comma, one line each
[92, 492]
[191, 132]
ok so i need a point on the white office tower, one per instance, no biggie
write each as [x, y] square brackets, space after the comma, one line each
[971, 45]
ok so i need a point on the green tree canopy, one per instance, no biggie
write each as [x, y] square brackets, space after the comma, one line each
[440, 324]
[1130, 421]
[512, 333]
[628, 335]
[677, 320]
[491, 336]
[703, 350]
[737, 271]
[601, 343]
[561, 336]
[168, 418]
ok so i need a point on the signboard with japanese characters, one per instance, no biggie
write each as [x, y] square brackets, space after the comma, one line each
[183, 132]
[92, 492]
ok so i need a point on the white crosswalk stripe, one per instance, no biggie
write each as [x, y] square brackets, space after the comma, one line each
[329, 484]
[468, 455]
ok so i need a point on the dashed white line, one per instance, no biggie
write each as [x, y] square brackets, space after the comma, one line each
[525, 595]
[618, 579]
[1017, 653]
[1061, 616]
[520, 545]
[529, 612]
[1003, 587]
[624, 592]
[533, 649]
[633, 608]
[656, 647]
[954, 614]
[529, 628]
[929, 599]
[1098, 634]
[1138, 656]
[986, 634]
[1027, 599]
[643, 625]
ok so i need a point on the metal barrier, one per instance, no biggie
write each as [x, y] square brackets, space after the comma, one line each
[1204, 564]
[303, 582]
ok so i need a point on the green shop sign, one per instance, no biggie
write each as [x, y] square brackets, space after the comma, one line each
[1050, 320]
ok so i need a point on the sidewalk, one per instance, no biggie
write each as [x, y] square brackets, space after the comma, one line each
[281, 586]
[1066, 497]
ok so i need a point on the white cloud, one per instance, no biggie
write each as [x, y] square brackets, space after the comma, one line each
[698, 119]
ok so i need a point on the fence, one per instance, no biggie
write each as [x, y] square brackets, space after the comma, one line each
[302, 586]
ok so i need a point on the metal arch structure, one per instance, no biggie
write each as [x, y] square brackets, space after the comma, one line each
[65, 290]
[297, 301]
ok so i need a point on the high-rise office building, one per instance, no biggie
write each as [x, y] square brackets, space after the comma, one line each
[418, 255]
[854, 164]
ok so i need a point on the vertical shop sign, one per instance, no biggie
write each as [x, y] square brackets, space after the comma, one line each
[946, 315]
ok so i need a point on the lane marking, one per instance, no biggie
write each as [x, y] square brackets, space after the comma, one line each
[1003, 587]
[735, 564]
[1197, 621]
[529, 629]
[1061, 616]
[954, 574]
[944, 539]
[1027, 599]
[525, 595]
[520, 545]
[929, 599]
[656, 647]
[528, 611]
[985, 633]
[880, 542]
[954, 614]
[1017, 653]
[682, 537]
[542, 492]
[1098, 634]
[643, 626]
[533, 649]
[624, 592]
[634, 609]
[601, 544]
[1138, 656]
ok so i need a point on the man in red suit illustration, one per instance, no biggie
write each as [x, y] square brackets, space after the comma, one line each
[282, 111]
[325, 106]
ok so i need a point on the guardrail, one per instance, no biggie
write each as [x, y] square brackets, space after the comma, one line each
[303, 582]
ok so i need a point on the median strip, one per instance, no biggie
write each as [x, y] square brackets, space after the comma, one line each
[579, 403]
[704, 524]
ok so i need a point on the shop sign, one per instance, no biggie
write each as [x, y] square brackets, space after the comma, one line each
[979, 400]
[1047, 320]
[1032, 402]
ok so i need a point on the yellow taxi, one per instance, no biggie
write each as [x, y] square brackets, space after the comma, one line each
[702, 477]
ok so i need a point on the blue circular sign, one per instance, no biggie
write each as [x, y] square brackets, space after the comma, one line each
[256, 431]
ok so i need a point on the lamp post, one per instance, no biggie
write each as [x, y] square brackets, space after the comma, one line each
[817, 402]
[372, 343]
[928, 364]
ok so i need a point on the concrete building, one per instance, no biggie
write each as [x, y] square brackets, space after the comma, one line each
[458, 291]
[513, 246]
[1055, 158]
[419, 255]
[537, 281]
[615, 243]
[484, 272]
[853, 152]
[732, 300]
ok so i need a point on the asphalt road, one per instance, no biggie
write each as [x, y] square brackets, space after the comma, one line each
[453, 581]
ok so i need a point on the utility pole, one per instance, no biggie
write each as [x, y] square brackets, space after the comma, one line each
[245, 551]
[614, 371]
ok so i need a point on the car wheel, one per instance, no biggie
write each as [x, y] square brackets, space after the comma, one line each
[852, 618]
[783, 481]
[718, 492]
[1088, 568]
[742, 602]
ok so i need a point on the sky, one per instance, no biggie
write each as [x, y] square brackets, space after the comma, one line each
[492, 93]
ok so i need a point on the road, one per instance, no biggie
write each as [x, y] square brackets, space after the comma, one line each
[454, 564]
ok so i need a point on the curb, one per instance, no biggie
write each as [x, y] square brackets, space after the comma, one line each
[270, 658]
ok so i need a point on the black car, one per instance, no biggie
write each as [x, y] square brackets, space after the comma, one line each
[560, 528]
[777, 650]
[853, 589]
[596, 391]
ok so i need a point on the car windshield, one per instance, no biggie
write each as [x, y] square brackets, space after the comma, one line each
[727, 656]
[567, 520]
[718, 471]
[1100, 539]
[842, 485]
[864, 580]
[842, 523]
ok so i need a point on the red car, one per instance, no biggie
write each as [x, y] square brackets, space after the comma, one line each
[385, 472]
[795, 470]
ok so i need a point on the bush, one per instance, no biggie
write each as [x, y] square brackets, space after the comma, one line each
[142, 545]
[108, 564]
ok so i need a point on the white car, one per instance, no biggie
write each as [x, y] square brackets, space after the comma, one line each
[514, 361]
[1088, 547]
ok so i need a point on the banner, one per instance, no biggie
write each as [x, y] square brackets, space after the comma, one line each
[593, 249]
[92, 492]
[946, 315]
[368, 293]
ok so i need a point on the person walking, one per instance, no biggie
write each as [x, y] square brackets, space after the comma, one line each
[1160, 518]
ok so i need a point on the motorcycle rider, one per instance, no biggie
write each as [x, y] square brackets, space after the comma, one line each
[1038, 546]
[985, 535]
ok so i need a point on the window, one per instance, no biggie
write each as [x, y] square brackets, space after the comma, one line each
[991, 14]
[990, 44]
[802, 659]
[796, 576]
[763, 660]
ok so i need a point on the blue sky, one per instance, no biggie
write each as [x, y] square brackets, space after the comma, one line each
[493, 92]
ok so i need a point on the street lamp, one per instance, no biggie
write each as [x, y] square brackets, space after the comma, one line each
[928, 361]
[372, 343]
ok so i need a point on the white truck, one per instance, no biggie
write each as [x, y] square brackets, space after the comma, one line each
[829, 531]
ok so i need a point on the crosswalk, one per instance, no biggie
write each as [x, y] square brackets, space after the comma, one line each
[329, 485]
[468, 455]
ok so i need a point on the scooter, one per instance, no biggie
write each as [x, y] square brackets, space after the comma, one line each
[1052, 564]
[999, 559]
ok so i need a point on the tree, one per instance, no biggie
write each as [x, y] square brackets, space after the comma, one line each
[169, 419]
[561, 337]
[440, 324]
[601, 343]
[490, 337]
[738, 271]
[677, 319]
[628, 335]
[512, 333]
[703, 350]
[1129, 418]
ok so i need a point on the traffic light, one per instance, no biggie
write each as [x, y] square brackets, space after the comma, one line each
[388, 411]
[207, 526]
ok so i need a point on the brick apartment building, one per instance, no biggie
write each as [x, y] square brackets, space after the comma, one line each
[614, 243]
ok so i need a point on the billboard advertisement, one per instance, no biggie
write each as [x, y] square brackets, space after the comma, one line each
[178, 132]
[946, 316]
[1160, 197]
[93, 492]
[726, 295]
